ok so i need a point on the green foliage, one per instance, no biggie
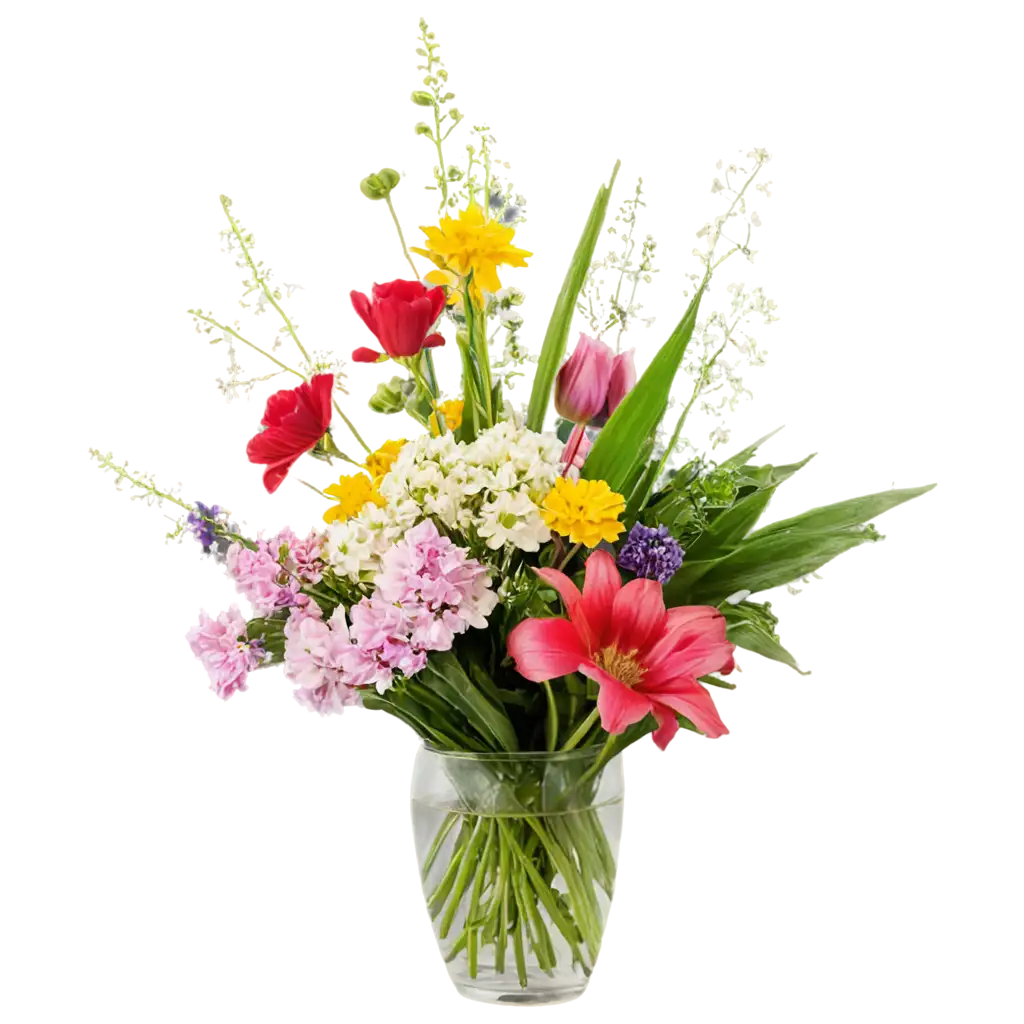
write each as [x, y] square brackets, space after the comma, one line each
[638, 415]
[553, 349]
[752, 626]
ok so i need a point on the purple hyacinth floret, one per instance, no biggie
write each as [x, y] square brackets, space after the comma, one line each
[651, 552]
[199, 524]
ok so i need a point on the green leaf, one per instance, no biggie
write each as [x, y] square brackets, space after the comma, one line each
[639, 413]
[743, 457]
[729, 528]
[470, 410]
[677, 590]
[446, 676]
[752, 626]
[760, 563]
[553, 349]
[845, 513]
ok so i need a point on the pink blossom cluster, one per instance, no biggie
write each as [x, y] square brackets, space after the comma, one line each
[322, 661]
[428, 590]
[227, 655]
[271, 575]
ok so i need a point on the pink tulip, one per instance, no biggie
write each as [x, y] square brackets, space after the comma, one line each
[622, 381]
[581, 386]
[643, 658]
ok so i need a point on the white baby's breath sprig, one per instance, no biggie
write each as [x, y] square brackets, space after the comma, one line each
[139, 484]
[256, 285]
[237, 383]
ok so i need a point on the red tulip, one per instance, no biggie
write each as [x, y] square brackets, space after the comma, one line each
[400, 315]
[643, 658]
[295, 421]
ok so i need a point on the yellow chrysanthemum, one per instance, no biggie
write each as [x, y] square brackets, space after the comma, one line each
[452, 413]
[586, 511]
[473, 244]
[352, 492]
[378, 464]
[446, 279]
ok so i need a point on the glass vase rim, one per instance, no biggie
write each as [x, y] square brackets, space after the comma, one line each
[545, 756]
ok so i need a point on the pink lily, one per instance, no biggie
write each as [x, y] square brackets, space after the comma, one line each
[643, 658]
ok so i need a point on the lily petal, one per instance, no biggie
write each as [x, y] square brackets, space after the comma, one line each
[668, 726]
[600, 585]
[638, 615]
[696, 704]
[545, 648]
[618, 704]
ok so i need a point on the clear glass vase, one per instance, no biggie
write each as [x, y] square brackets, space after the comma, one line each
[517, 856]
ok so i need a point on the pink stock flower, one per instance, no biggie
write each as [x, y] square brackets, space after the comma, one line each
[428, 591]
[592, 382]
[227, 655]
[322, 661]
[271, 575]
[644, 659]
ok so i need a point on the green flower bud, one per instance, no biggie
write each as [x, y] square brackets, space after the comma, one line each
[422, 98]
[390, 397]
[379, 185]
[422, 128]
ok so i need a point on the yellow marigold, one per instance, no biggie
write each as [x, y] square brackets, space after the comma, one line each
[586, 511]
[473, 244]
[452, 413]
[352, 492]
[378, 464]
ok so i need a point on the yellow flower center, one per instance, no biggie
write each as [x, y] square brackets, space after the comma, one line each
[621, 664]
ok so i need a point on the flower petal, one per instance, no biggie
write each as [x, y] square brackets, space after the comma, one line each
[618, 704]
[367, 355]
[638, 615]
[668, 726]
[545, 648]
[600, 585]
[696, 704]
[361, 304]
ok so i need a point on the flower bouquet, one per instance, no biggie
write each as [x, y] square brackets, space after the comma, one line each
[530, 601]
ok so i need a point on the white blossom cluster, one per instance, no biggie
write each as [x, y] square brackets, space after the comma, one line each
[488, 490]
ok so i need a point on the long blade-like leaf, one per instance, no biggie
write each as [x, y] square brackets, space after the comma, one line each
[640, 412]
[565, 305]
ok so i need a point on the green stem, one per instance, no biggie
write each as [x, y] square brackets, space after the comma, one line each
[569, 556]
[246, 341]
[401, 237]
[581, 730]
[261, 280]
[551, 723]
[351, 427]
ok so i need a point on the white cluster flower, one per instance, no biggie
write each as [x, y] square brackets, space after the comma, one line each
[354, 547]
[490, 488]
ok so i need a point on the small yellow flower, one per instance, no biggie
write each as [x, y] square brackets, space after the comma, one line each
[473, 244]
[378, 464]
[452, 413]
[352, 492]
[586, 511]
[446, 279]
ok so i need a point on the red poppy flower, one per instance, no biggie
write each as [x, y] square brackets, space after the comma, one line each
[400, 315]
[644, 658]
[295, 420]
